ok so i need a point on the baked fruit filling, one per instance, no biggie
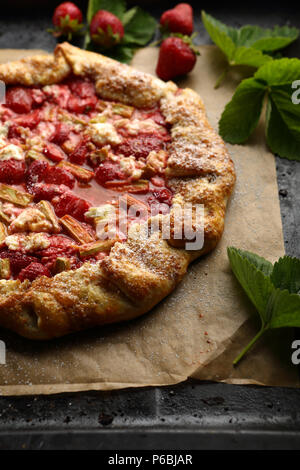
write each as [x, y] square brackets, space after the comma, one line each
[67, 161]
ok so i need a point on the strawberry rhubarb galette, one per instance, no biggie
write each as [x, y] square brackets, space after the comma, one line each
[81, 135]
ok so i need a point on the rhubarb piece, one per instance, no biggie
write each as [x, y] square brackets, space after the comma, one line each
[5, 271]
[140, 186]
[46, 208]
[3, 216]
[33, 155]
[122, 110]
[91, 249]
[3, 232]
[61, 264]
[7, 193]
[132, 201]
[76, 230]
[80, 173]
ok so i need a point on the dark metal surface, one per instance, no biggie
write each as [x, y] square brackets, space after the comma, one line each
[188, 416]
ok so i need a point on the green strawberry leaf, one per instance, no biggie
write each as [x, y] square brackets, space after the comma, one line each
[223, 36]
[279, 72]
[249, 45]
[273, 290]
[283, 125]
[285, 309]
[139, 28]
[241, 114]
[267, 40]
[286, 274]
[255, 283]
[128, 15]
[250, 57]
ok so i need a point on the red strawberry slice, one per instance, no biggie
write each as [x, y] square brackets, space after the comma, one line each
[141, 145]
[79, 155]
[40, 170]
[18, 261]
[46, 192]
[54, 152]
[12, 171]
[32, 271]
[28, 120]
[108, 171]
[82, 87]
[81, 105]
[62, 132]
[19, 99]
[163, 195]
[69, 203]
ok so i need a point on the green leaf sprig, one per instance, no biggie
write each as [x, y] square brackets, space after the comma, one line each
[249, 45]
[273, 289]
[273, 82]
[139, 28]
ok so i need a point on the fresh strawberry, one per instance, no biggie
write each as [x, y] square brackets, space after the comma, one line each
[67, 20]
[32, 271]
[106, 29]
[19, 99]
[12, 171]
[178, 19]
[176, 57]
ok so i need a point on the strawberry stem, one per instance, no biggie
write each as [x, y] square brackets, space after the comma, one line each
[249, 345]
[221, 77]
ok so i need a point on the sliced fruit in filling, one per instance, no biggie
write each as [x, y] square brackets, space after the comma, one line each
[69, 161]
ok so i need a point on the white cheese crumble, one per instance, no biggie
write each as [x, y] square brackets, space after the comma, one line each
[11, 151]
[103, 133]
[31, 220]
[134, 126]
[103, 212]
[128, 165]
[29, 243]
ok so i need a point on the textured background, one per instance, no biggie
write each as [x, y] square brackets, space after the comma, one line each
[191, 415]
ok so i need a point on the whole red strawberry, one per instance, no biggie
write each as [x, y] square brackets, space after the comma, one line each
[178, 19]
[106, 29]
[176, 57]
[67, 20]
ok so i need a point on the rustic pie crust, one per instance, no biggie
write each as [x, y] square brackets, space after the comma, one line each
[142, 270]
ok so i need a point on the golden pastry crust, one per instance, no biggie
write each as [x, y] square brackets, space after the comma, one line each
[140, 272]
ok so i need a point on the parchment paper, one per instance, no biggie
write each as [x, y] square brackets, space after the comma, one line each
[197, 331]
